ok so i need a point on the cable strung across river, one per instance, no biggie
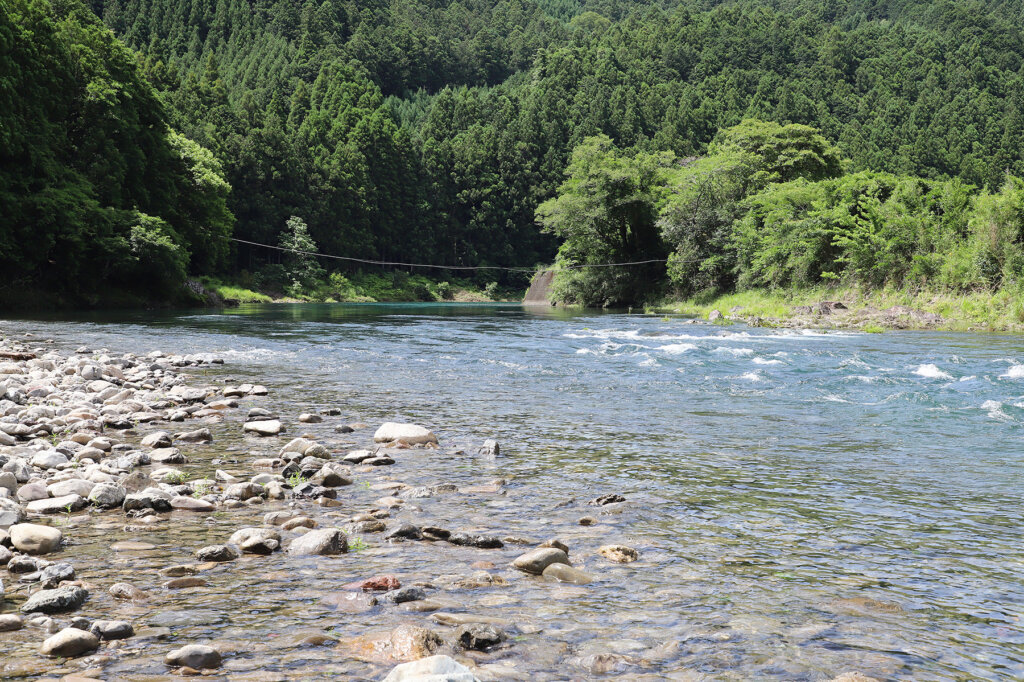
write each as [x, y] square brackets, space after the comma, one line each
[446, 267]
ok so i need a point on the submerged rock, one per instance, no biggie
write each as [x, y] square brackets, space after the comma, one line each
[431, 669]
[618, 553]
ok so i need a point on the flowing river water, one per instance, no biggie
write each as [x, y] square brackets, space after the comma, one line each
[804, 503]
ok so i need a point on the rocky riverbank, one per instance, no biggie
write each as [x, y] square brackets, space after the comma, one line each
[158, 518]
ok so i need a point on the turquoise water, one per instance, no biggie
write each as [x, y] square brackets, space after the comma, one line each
[805, 503]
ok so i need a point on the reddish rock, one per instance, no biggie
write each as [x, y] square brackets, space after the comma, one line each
[378, 583]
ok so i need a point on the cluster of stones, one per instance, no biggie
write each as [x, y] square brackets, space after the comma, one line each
[67, 443]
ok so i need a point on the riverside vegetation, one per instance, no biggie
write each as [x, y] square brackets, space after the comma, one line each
[757, 145]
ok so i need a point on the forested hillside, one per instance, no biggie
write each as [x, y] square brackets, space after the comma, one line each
[433, 131]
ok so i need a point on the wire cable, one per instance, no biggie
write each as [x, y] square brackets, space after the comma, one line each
[366, 261]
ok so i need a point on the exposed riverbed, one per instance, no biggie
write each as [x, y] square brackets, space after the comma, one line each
[804, 504]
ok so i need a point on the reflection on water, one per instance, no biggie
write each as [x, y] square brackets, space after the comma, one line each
[804, 503]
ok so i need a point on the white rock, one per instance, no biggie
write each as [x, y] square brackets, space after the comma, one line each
[70, 642]
[72, 486]
[431, 669]
[411, 434]
[49, 459]
[265, 428]
[33, 538]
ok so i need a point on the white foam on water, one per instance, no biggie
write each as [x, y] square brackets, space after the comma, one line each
[256, 354]
[649, 362]
[970, 378]
[1014, 372]
[739, 352]
[766, 361]
[930, 371]
[751, 376]
[995, 410]
[863, 377]
[677, 348]
[835, 399]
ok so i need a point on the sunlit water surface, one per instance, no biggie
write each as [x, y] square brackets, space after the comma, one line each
[804, 503]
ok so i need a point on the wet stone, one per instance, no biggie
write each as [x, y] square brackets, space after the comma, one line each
[406, 594]
[69, 643]
[404, 531]
[380, 583]
[10, 622]
[58, 600]
[127, 592]
[478, 541]
[537, 560]
[618, 553]
[54, 574]
[434, 533]
[603, 500]
[567, 574]
[480, 636]
[185, 581]
[197, 656]
[217, 553]
[108, 630]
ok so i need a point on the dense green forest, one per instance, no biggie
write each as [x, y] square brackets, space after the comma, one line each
[433, 131]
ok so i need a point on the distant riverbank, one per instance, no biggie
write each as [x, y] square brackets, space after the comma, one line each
[851, 308]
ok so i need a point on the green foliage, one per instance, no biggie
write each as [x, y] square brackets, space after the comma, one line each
[606, 212]
[433, 131]
[301, 267]
[96, 191]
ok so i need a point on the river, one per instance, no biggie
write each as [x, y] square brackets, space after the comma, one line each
[804, 503]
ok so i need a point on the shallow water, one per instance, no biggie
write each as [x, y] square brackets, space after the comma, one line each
[804, 503]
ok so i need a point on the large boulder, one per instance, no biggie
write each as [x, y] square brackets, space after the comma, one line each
[410, 434]
[33, 538]
[324, 541]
